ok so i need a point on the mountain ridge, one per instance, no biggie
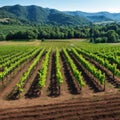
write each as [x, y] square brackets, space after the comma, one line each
[112, 16]
[39, 15]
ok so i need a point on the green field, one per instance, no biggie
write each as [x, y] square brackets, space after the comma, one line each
[59, 43]
[99, 60]
[72, 73]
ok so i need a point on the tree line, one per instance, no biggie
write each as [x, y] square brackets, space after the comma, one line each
[108, 33]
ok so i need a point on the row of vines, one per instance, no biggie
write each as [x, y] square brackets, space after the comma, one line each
[13, 58]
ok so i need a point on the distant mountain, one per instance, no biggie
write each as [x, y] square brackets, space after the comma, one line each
[96, 17]
[99, 18]
[39, 15]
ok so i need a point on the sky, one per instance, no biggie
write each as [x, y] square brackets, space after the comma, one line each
[70, 5]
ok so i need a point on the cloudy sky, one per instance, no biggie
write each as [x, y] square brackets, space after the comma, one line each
[70, 5]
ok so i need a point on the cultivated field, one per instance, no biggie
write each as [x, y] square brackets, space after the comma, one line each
[56, 80]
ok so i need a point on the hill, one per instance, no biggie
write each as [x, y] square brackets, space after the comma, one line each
[18, 14]
[38, 15]
[97, 17]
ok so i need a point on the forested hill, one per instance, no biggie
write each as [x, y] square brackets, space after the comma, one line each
[97, 16]
[33, 22]
[38, 15]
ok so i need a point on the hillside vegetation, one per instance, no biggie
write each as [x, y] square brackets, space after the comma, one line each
[33, 22]
[38, 15]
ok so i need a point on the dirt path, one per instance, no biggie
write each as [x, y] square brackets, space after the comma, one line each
[64, 87]
[53, 86]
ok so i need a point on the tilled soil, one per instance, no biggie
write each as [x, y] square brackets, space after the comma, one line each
[70, 80]
[71, 104]
[90, 80]
[93, 108]
[114, 81]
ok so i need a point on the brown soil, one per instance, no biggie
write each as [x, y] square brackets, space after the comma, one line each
[90, 80]
[11, 76]
[12, 93]
[73, 86]
[53, 86]
[114, 81]
[45, 90]
[33, 90]
[33, 77]
[64, 87]
[99, 107]
[15, 79]
[71, 104]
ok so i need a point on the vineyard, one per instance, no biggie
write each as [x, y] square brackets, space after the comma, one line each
[60, 82]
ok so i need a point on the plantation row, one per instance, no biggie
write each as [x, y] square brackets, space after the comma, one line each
[40, 58]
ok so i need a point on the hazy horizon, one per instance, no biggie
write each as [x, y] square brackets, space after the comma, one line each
[73, 5]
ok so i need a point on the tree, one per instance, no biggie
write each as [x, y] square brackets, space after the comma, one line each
[10, 35]
[112, 36]
[2, 37]
[71, 34]
[30, 35]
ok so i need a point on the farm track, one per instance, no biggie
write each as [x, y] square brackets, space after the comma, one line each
[106, 108]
